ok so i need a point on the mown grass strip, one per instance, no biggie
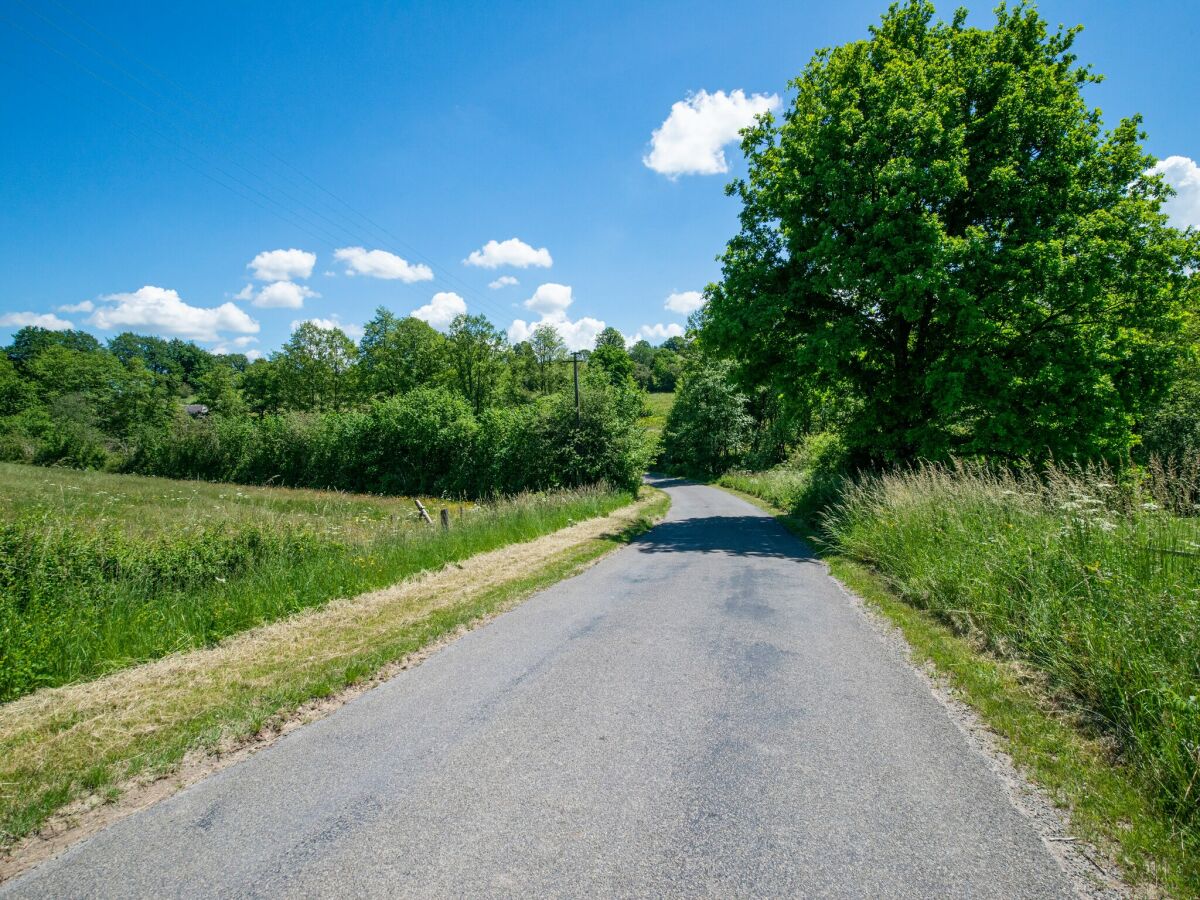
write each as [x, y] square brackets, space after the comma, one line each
[1109, 804]
[69, 744]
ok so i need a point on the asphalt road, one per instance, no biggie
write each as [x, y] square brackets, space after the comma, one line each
[703, 713]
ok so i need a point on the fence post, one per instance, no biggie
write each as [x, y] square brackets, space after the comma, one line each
[445, 519]
[423, 511]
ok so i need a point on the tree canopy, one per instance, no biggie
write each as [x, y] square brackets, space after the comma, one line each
[940, 233]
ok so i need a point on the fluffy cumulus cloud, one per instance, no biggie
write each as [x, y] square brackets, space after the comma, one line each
[441, 310]
[48, 321]
[162, 311]
[513, 252]
[551, 301]
[655, 334]
[381, 264]
[285, 294]
[81, 306]
[692, 139]
[502, 282]
[684, 302]
[577, 334]
[238, 345]
[1183, 174]
[334, 321]
[283, 265]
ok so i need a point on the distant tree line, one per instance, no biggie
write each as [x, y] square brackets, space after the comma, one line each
[405, 408]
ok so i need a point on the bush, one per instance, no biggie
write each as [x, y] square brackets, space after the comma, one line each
[708, 428]
[806, 484]
[425, 442]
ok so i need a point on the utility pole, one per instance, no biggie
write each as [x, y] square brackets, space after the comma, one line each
[575, 367]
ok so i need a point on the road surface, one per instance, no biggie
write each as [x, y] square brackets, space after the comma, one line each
[703, 713]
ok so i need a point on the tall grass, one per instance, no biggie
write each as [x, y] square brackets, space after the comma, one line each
[83, 594]
[1094, 583]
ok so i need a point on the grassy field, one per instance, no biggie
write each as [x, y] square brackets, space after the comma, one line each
[99, 572]
[654, 415]
[97, 742]
[1070, 589]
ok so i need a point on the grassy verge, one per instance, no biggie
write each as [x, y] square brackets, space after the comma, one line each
[1113, 801]
[100, 572]
[655, 408]
[85, 741]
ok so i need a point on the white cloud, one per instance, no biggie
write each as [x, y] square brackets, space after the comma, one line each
[513, 252]
[502, 281]
[441, 310]
[37, 320]
[1181, 173]
[691, 140]
[351, 330]
[246, 293]
[550, 299]
[81, 306]
[381, 264]
[282, 265]
[161, 311]
[237, 345]
[579, 334]
[684, 302]
[656, 334]
[285, 294]
[252, 355]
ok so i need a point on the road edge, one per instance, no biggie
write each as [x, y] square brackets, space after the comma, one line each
[1092, 867]
[83, 818]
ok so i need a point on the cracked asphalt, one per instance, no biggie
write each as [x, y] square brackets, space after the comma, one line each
[703, 713]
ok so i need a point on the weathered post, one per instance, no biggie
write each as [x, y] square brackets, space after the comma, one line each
[575, 367]
[445, 519]
[423, 511]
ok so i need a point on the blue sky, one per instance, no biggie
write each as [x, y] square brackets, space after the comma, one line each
[150, 152]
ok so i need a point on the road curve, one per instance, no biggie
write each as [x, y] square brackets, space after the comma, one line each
[703, 713]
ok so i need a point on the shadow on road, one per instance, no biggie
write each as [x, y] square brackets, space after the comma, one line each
[738, 535]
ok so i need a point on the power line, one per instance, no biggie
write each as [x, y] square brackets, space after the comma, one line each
[447, 274]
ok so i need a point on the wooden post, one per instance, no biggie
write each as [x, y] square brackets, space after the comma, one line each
[445, 519]
[423, 511]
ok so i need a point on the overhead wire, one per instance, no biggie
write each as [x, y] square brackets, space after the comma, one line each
[351, 231]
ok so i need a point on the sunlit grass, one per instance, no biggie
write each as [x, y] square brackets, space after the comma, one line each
[99, 572]
[1095, 584]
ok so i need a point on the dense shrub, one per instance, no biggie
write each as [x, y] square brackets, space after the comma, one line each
[426, 442]
[708, 429]
[808, 481]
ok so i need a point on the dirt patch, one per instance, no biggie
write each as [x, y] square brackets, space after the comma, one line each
[63, 731]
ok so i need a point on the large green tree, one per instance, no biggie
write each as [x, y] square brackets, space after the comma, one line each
[549, 350]
[315, 368]
[940, 231]
[476, 353]
[400, 354]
